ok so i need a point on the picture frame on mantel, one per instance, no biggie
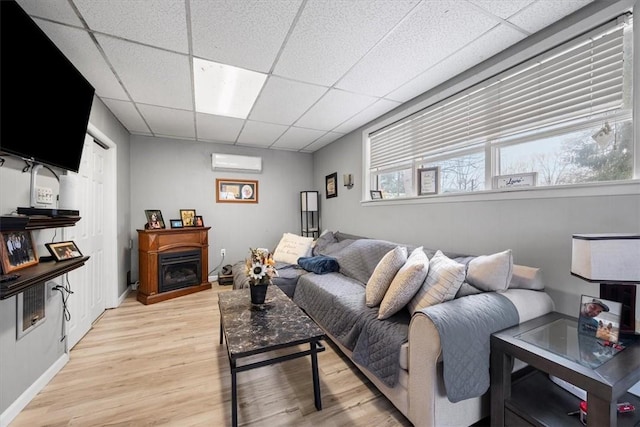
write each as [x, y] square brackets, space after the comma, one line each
[331, 185]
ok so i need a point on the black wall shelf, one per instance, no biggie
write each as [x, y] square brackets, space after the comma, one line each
[38, 273]
[35, 222]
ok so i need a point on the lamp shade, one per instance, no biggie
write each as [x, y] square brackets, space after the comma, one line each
[606, 258]
[309, 201]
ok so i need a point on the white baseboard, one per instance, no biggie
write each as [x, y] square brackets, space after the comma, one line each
[23, 400]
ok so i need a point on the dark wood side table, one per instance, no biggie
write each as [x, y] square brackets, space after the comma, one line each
[551, 345]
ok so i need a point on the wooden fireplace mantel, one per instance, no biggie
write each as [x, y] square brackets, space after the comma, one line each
[152, 243]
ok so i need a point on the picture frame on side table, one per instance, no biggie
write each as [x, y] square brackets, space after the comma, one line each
[331, 185]
[63, 251]
[176, 223]
[17, 250]
[154, 219]
[428, 181]
[236, 191]
[376, 195]
[188, 217]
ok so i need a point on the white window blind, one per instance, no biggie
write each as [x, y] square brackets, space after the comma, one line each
[579, 80]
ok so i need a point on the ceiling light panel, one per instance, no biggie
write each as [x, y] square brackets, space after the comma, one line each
[246, 34]
[150, 75]
[331, 36]
[292, 99]
[160, 23]
[225, 90]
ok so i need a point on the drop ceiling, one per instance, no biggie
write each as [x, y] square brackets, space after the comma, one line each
[331, 65]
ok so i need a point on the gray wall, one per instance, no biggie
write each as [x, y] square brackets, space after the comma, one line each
[170, 175]
[23, 362]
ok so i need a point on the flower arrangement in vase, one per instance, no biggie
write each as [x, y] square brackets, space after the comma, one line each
[260, 267]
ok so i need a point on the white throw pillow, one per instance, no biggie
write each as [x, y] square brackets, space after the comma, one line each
[491, 272]
[442, 283]
[405, 284]
[383, 275]
[292, 247]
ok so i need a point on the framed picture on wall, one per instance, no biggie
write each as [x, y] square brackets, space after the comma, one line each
[236, 191]
[17, 250]
[331, 185]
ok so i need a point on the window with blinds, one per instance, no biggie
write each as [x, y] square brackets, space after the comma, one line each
[539, 115]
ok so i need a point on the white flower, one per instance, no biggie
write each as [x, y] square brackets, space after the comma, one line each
[258, 271]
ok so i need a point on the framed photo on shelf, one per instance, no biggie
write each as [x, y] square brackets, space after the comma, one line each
[376, 195]
[154, 219]
[331, 185]
[17, 250]
[188, 217]
[428, 181]
[63, 251]
[236, 191]
[199, 222]
[176, 223]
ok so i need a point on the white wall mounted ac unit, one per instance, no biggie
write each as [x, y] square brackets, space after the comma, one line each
[235, 163]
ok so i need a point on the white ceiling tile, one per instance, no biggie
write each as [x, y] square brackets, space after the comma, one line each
[260, 134]
[241, 33]
[502, 8]
[291, 98]
[217, 128]
[159, 23]
[365, 116]
[169, 122]
[297, 138]
[324, 140]
[496, 40]
[542, 13]
[150, 75]
[56, 10]
[331, 36]
[78, 47]
[127, 114]
[420, 42]
[333, 109]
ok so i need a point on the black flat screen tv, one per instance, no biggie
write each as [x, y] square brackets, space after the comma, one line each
[44, 100]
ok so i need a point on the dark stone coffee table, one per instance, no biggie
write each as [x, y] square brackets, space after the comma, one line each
[250, 330]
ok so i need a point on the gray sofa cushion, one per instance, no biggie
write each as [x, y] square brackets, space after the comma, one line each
[360, 258]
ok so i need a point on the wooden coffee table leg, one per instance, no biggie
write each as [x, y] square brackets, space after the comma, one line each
[316, 379]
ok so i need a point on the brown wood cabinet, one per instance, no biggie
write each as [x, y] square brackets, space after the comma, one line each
[154, 244]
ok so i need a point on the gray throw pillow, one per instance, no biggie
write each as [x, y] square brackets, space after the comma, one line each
[383, 275]
[360, 258]
[491, 272]
[443, 281]
[405, 284]
[526, 278]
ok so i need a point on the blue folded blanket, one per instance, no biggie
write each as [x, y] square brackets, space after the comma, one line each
[319, 264]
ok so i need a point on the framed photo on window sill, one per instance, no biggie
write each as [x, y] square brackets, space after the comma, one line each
[376, 194]
[428, 181]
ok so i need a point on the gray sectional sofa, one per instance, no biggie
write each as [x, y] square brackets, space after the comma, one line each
[432, 364]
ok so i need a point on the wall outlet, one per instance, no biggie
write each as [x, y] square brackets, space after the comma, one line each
[223, 253]
[50, 291]
[44, 195]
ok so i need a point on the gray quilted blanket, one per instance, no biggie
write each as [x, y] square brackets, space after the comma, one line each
[465, 326]
[337, 304]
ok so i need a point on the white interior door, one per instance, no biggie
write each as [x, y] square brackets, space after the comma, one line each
[87, 302]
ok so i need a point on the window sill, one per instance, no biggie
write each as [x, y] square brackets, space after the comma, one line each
[621, 188]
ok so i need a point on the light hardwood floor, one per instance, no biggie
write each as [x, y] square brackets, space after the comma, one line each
[161, 364]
